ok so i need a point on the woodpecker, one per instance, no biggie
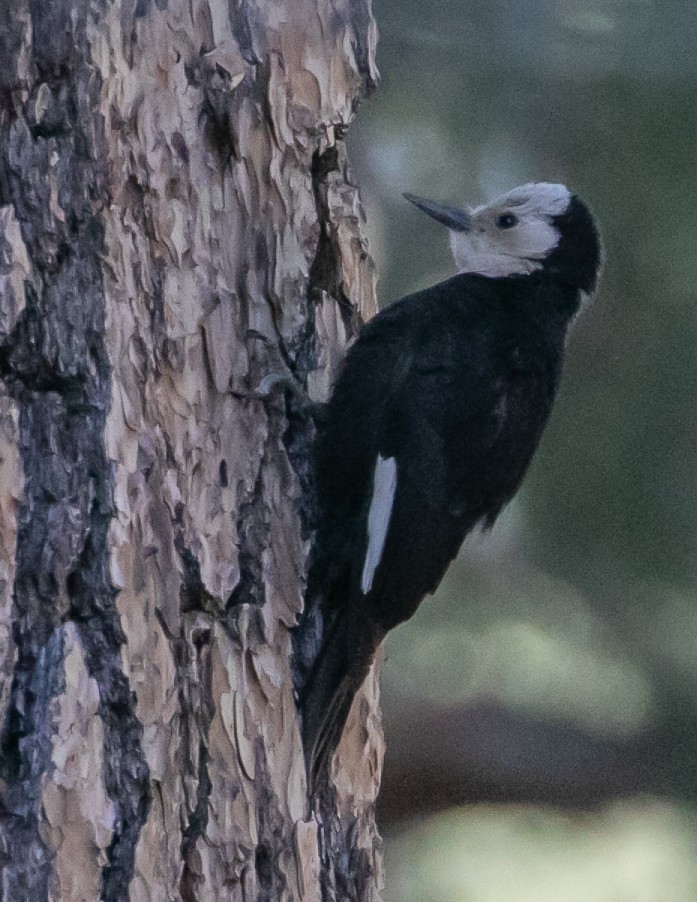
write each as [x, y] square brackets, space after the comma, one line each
[433, 421]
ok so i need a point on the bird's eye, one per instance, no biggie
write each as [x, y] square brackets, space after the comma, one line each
[506, 221]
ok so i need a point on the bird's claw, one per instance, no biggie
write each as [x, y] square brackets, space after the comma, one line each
[273, 381]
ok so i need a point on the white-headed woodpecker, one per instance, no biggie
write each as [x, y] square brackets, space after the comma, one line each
[434, 419]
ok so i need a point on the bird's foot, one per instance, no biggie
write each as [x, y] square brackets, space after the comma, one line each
[282, 380]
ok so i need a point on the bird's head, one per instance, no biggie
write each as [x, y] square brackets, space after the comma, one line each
[540, 226]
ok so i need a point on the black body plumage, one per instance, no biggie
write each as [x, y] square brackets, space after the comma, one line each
[453, 385]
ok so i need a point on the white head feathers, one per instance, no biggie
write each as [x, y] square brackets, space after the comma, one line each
[513, 233]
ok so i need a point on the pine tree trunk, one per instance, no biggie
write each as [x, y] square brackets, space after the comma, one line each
[177, 228]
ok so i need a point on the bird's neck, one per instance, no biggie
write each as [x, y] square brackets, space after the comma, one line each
[544, 298]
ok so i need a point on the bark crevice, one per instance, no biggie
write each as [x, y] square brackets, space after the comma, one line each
[326, 272]
[126, 773]
[253, 533]
[197, 704]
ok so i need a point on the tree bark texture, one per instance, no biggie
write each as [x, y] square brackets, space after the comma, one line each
[177, 228]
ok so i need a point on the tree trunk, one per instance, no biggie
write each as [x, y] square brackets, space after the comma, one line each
[178, 228]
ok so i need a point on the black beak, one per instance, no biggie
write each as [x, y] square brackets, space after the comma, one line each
[452, 217]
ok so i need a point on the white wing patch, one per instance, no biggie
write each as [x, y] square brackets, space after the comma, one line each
[384, 488]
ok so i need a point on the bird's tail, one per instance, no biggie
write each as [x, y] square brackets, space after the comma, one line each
[347, 651]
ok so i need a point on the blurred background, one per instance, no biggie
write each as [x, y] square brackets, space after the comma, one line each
[541, 710]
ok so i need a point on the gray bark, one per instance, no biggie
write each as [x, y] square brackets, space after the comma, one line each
[177, 222]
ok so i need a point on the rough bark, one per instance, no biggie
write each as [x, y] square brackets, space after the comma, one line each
[177, 224]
